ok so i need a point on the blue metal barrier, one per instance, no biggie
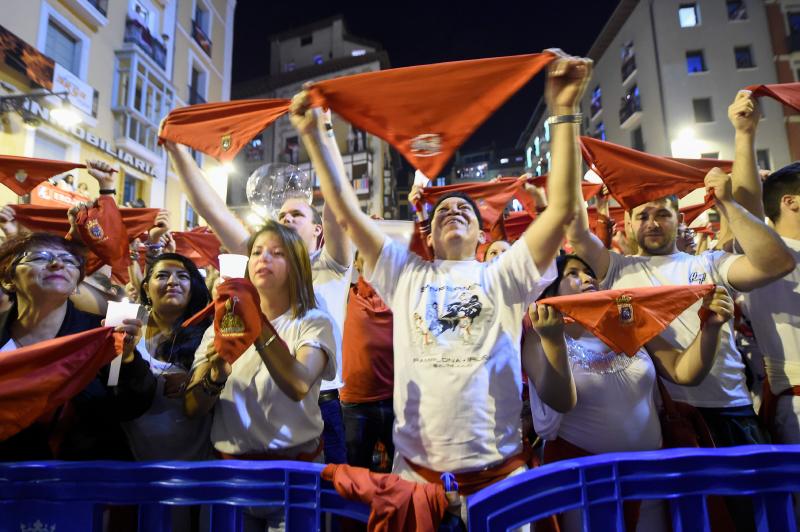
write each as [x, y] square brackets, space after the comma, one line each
[71, 495]
[597, 485]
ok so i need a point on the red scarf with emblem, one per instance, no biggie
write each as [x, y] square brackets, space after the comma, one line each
[628, 318]
[22, 174]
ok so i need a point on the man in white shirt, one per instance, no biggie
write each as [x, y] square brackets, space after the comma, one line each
[722, 397]
[330, 264]
[457, 321]
[773, 310]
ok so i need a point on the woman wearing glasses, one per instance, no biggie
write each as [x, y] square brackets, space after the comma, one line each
[39, 272]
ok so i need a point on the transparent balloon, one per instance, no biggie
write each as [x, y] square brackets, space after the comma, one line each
[269, 186]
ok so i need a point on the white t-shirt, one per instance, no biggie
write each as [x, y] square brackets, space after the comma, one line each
[725, 385]
[615, 411]
[252, 414]
[457, 370]
[774, 312]
[331, 286]
[164, 432]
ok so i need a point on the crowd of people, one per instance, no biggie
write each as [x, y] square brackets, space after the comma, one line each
[425, 366]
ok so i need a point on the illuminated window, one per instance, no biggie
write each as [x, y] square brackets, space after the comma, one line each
[689, 15]
[695, 62]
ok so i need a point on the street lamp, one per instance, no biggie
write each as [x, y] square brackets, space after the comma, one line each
[63, 113]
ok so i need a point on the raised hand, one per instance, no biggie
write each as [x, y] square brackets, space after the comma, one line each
[547, 321]
[720, 303]
[567, 78]
[102, 171]
[744, 113]
[719, 183]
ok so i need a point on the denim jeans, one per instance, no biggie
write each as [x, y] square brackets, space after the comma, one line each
[333, 433]
[364, 425]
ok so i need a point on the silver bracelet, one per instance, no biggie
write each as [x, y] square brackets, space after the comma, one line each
[266, 344]
[565, 119]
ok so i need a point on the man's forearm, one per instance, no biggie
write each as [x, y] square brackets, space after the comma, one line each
[747, 188]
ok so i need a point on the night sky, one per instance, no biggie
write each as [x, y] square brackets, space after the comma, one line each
[415, 33]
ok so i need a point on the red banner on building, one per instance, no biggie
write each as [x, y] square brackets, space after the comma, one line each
[48, 195]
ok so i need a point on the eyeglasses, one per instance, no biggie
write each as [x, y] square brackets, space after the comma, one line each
[45, 258]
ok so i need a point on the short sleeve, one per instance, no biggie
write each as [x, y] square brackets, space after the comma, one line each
[391, 261]
[615, 265]
[323, 260]
[316, 330]
[546, 421]
[719, 263]
[200, 354]
[516, 273]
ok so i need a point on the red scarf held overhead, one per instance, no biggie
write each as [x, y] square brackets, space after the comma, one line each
[237, 318]
[102, 230]
[627, 319]
[37, 379]
[396, 505]
[54, 220]
[588, 190]
[23, 174]
[634, 177]
[221, 129]
[201, 247]
[427, 112]
[490, 196]
[786, 93]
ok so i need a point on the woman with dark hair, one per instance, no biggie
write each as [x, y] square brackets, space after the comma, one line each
[613, 394]
[172, 291]
[39, 272]
[265, 404]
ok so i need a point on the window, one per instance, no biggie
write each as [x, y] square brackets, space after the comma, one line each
[131, 190]
[63, 48]
[631, 103]
[695, 62]
[288, 67]
[794, 21]
[305, 41]
[546, 132]
[197, 86]
[688, 15]
[318, 59]
[744, 57]
[628, 57]
[191, 220]
[358, 52]
[45, 147]
[141, 99]
[597, 100]
[762, 158]
[637, 139]
[201, 27]
[702, 110]
[197, 156]
[710, 155]
[529, 157]
[441, 181]
[537, 146]
[600, 131]
[254, 151]
[736, 10]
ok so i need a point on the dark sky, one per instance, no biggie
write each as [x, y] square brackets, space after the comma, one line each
[415, 33]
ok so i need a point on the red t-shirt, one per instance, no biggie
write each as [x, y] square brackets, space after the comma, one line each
[367, 350]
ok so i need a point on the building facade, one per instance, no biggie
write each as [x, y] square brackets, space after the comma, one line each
[125, 65]
[315, 52]
[665, 72]
[784, 25]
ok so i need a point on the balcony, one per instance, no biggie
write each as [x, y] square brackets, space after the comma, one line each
[630, 109]
[138, 34]
[793, 41]
[201, 38]
[195, 97]
[628, 68]
[93, 12]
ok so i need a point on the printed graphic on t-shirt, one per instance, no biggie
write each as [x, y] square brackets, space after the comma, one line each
[697, 277]
[448, 322]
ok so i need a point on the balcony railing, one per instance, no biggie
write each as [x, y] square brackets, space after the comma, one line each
[101, 6]
[195, 97]
[201, 38]
[629, 106]
[628, 67]
[137, 33]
